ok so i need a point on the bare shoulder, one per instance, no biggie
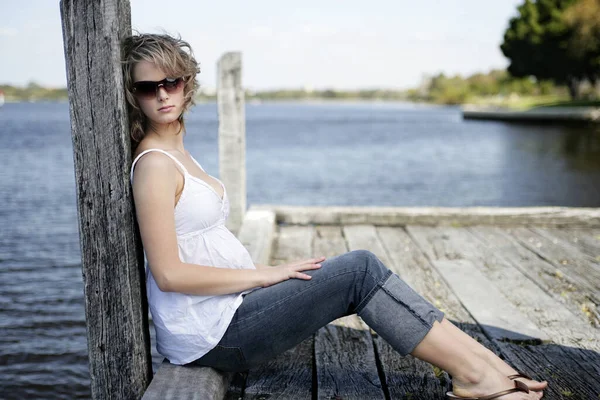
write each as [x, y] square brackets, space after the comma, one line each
[154, 164]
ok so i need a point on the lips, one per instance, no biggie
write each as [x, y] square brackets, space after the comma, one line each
[165, 108]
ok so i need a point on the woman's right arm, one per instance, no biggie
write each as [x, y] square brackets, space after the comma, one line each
[154, 188]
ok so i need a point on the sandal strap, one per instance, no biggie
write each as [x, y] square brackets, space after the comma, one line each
[520, 374]
[519, 387]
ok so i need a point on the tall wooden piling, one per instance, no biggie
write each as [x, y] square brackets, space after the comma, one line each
[111, 251]
[232, 135]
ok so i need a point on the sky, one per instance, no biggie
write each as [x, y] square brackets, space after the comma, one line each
[313, 44]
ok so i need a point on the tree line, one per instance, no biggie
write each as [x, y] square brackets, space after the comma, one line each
[557, 40]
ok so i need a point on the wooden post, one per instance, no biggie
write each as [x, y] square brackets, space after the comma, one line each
[111, 252]
[232, 136]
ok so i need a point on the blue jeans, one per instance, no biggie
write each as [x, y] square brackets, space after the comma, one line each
[274, 319]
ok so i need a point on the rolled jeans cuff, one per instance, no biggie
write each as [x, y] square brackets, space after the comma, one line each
[412, 318]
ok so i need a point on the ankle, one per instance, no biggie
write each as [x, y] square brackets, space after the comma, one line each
[471, 375]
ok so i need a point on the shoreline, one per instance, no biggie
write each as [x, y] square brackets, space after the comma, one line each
[540, 114]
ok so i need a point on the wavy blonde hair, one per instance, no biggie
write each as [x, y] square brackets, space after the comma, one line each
[170, 54]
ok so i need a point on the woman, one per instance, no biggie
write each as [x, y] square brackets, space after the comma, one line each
[212, 306]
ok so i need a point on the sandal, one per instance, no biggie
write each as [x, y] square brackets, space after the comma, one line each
[520, 374]
[519, 387]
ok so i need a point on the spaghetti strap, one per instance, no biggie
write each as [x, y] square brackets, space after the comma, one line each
[185, 172]
[197, 163]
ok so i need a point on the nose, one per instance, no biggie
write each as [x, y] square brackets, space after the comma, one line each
[161, 93]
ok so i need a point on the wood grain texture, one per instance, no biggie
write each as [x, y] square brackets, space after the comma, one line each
[403, 377]
[547, 312]
[174, 382]
[436, 216]
[585, 240]
[345, 361]
[572, 373]
[111, 253]
[289, 375]
[540, 271]
[232, 135]
[496, 315]
[582, 269]
[568, 369]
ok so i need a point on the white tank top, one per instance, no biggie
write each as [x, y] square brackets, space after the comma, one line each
[189, 326]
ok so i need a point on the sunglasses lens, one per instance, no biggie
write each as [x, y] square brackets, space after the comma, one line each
[145, 89]
[149, 89]
[173, 85]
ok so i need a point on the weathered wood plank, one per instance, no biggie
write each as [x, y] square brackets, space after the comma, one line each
[345, 361]
[550, 315]
[435, 216]
[538, 270]
[546, 361]
[292, 243]
[572, 373]
[498, 317]
[257, 234]
[344, 353]
[174, 382]
[289, 375]
[112, 258]
[232, 135]
[580, 268]
[586, 241]
[402, 377]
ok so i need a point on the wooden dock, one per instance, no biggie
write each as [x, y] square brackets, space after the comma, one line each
[541, 114]
[524, 282]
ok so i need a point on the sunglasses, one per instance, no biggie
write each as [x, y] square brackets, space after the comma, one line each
[149, 89]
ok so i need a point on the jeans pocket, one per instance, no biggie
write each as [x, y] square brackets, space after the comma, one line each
[224, 358]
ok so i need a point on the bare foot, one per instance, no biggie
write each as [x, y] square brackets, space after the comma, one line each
[488, 356]
[492, 381]
[531, 384]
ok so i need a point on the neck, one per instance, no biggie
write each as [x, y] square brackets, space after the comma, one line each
[167, 136]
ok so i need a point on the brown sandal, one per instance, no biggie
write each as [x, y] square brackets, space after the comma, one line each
[519, 387]
[520, 374]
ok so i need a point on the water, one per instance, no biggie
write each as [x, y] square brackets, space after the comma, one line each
[297, 154]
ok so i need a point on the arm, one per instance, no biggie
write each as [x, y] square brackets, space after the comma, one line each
[154, 188]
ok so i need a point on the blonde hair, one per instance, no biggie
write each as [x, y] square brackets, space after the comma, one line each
[173, 56]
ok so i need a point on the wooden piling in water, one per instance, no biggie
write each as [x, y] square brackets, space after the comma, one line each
[232, 135]
[111, 251]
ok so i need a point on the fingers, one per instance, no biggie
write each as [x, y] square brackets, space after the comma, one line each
[308, 261]
[304, 267]
[300, 275]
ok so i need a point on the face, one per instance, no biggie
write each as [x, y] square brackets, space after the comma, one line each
[161, 108]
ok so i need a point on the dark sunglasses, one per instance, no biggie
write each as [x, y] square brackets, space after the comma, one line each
[150, 88]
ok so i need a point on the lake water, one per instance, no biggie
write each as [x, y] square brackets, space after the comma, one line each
[375, 154]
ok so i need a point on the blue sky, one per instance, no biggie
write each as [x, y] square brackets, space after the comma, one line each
[319, 44]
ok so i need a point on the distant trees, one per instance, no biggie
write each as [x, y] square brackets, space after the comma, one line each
[497, 83]
[557, 40]
[583, 18]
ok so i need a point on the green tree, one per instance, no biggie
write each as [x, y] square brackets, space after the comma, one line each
[537, 44]
[583, 18]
